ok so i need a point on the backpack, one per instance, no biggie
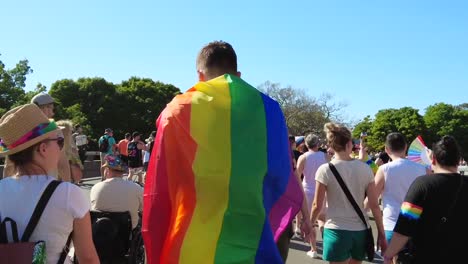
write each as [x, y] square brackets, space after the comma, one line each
[23, 251]
[104, 144]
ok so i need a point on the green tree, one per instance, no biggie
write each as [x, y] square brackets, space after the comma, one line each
[97, 104]
[143, 100]
[12, 83]
[405, 120]
[364, 125]
[445, 119]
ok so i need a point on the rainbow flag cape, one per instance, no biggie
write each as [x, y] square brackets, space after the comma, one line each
[220, 186]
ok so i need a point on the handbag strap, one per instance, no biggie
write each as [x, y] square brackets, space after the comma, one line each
[38, 210]
[65, 250]
[444, 219]
[348, 193]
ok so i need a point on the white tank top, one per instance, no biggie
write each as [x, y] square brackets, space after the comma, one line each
[399, 175]
[312, 161]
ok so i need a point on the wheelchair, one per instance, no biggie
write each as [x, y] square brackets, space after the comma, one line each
[115, 240]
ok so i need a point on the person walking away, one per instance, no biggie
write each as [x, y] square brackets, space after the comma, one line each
[308, 165]
[123, 148]
[211, 141]
[106, 147]
[344, 236]
[135, 158]
[81, 142]
[433, 214]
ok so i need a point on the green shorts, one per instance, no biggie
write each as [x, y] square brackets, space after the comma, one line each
[340, 245]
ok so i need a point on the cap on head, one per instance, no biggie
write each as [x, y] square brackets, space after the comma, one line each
[114, 163]
[42, 99]
[299, 140]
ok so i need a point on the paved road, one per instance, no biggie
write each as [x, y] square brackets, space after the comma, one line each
[297, 249]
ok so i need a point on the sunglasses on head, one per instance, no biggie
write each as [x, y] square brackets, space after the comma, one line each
[60, 141]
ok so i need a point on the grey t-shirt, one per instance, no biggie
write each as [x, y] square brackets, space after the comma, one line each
[340, 213]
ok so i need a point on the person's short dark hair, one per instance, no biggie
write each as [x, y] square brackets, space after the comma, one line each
[136, 134]
[396, 142]
[217, 58]
[384, 157]
[446, 151]
[127, 135]
[153, 133]
[108, 130]
[77, 126]
[292, 139]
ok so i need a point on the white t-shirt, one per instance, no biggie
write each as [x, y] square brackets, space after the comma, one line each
[398, 174]
[340, 213]
[18, 198]
[117, 195]
[312, 161]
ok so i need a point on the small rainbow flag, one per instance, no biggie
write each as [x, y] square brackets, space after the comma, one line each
[411, 211]
[220, 186]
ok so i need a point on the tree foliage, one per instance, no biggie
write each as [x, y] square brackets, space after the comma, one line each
[439, 119]
[445, 119]
[303, 113]
[12, 83]
[97, 104]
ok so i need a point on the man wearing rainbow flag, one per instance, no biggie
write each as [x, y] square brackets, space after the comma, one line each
[220, 186]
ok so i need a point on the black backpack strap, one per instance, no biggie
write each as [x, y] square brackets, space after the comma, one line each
[348, 193]
[38, 210]
[3, 230]
[65, 250]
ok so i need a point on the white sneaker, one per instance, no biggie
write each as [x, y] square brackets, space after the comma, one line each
[312, 254]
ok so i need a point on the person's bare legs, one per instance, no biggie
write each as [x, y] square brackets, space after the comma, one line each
[313, 241]
[131, 171]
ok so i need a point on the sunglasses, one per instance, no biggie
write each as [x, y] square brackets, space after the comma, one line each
[60, 141]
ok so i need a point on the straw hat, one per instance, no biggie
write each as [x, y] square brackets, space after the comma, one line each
[23, 127]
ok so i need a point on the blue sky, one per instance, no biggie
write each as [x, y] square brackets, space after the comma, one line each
[371, 54]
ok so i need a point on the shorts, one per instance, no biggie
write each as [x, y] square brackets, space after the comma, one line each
[124, 159]
[102, 155]
[135, 172]
[388, 236]
[310, 199]
[340, 245]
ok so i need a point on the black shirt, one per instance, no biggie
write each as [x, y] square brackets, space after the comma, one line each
[426, 203]
[135, 159]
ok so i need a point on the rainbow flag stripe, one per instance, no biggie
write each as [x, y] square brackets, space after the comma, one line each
[411, 211]
[220, 186]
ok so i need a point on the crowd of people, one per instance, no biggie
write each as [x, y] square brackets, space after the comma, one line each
[420, 219]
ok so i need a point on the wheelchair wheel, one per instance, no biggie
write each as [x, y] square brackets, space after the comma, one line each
[137, 253]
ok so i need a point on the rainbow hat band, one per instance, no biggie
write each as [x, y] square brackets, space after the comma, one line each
[23, 127]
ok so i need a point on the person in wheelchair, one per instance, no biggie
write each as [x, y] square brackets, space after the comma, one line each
[115, 207]
[116, 194]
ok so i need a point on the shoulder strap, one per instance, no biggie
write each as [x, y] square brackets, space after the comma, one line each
[457, 195]
[38, 210]
[347, 193]
[65, 250]
[3, 230]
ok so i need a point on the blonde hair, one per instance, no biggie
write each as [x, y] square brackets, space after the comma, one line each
[338, 136]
